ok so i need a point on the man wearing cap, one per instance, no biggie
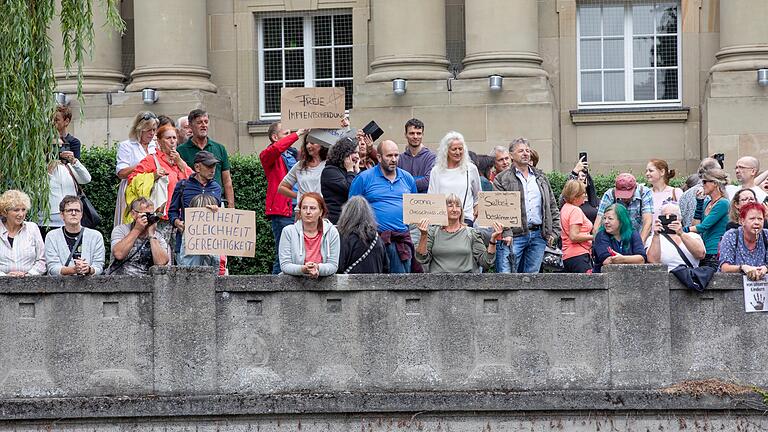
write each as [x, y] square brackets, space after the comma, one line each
[539, 212]
[383, 187]
[275, 159]
[198, 122]
[201, 182]
[637, 199]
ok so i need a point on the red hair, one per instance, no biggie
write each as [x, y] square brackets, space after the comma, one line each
[164, 128]
[746, 208]
[320, 202]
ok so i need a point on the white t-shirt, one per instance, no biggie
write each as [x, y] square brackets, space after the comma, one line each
[308, 179]
[669, 254]
[457, 181]
[732, 189]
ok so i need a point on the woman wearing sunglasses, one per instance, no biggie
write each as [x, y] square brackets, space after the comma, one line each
[130, 152]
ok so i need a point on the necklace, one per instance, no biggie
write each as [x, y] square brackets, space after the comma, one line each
[71, 236]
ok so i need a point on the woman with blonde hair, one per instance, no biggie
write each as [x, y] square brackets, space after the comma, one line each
[576, 229]
[455, 248]
[130, 152]
[711, 217]
[22, 251]
[454, 173]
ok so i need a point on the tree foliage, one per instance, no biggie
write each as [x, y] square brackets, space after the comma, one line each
[27, 84]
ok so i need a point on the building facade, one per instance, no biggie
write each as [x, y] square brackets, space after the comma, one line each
[623, 80]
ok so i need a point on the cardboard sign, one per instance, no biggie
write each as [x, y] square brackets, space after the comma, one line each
[755, 295]
[419, 206]
[224, 232]
[500, 206]
[312, 107]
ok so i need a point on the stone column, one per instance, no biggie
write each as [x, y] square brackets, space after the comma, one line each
[743, 36]
[409, 40]
[171, 46]
[102, 73]
[502, 38]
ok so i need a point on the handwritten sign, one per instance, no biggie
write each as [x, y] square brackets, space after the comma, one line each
[755, 295]
[224, 232]
[501, 206]
[312, 107]
[419, 206]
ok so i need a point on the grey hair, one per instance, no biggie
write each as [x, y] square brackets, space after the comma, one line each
[453, 198]
[357, 218]
[442, 151]
[202, 200]
[518, 141]
[673, 209]
[708, 164]
[499, 149]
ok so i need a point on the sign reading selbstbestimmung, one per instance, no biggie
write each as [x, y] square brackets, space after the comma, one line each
[499, 206]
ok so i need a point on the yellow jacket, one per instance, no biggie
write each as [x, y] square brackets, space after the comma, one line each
[140, 186]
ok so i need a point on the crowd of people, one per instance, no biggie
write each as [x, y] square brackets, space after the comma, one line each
[338, 208]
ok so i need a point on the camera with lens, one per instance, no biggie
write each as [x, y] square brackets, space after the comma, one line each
[152, 218]
[720, 158]
[145, 256]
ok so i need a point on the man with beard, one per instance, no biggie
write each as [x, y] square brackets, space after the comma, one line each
[417, 160]
[383, 187]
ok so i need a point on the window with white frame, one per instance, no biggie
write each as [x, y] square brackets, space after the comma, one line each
[628, 53]
[309, 50]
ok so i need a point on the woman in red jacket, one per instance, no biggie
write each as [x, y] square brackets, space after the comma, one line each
[278, 208]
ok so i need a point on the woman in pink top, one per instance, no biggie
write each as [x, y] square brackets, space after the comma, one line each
[576, 230]
[658, 174]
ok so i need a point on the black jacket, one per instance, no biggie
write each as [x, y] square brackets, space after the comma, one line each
[352, 249]
[334, 186]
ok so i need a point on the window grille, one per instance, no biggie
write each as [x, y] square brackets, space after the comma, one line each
[308, 50]
[628, 53]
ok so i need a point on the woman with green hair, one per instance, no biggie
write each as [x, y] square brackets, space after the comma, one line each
[617, 242]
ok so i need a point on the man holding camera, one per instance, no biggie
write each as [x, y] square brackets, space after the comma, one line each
[138, 246]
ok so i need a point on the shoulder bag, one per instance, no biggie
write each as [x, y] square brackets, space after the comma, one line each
[695, 278]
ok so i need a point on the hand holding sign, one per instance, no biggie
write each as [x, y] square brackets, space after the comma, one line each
[499, 206]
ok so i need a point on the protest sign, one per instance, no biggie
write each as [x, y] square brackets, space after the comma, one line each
[312, 107]
[419, 206]
[755, 294]
[501, 206]
[224, 232]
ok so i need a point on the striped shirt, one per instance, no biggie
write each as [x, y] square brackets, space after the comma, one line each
[27, 253]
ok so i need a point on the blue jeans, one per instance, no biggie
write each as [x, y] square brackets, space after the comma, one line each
[396, 265]
[504, 257]
[529, 252]
[278, 223]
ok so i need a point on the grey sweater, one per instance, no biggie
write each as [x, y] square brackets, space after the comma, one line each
[292, 252]
[57, 251]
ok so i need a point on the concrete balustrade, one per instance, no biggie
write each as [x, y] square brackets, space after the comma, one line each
[185, 332]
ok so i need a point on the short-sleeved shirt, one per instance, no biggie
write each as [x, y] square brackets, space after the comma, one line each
[189, 150]
[731, 253]
[669, 254]
[572, 215]
[308, 180]
[384, 196]
[642, 203]
[139, 261]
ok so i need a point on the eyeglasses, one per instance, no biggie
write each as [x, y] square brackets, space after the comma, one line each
[73, 211]
[740, 167]
[149, 115]
[707, 181]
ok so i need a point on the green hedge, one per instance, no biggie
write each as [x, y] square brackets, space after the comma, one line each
[250, 192]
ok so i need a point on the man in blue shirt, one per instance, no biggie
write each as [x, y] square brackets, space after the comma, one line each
[383, 187]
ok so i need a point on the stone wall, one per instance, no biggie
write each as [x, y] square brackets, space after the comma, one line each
[375, 352]
[184, 332]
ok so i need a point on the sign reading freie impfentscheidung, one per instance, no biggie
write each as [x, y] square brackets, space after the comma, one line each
[312, 107]
[500, 206]
[226, 231]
